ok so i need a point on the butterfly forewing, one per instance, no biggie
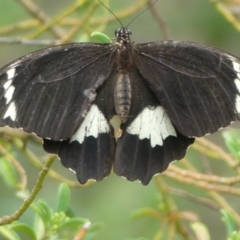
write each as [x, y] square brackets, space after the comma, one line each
[197, 85]
[50, 91]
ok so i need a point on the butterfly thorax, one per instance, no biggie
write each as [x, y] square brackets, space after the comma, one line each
[122, 89]
[124, 49]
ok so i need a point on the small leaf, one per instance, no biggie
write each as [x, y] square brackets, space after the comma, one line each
[73, 223]
[23, 194]
[235, 236]
[201, 231]
[229, 222]
[24, 228]
[63, 198]
[101, 37]
[96, 226]
[43, 214]
[8, 173]
[70, 213]
[8, 234]
[232, 141]
[46, 208]
[38, 226]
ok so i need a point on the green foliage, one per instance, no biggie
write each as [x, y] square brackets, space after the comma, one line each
[232, 233]
[50, 224]
[101, 37]
[232, 141]
[8, 172]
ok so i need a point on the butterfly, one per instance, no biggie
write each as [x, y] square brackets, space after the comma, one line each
[165, 94]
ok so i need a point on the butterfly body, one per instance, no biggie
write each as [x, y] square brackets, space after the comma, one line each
[165, 93]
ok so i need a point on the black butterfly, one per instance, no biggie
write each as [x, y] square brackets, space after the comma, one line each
[165, 93]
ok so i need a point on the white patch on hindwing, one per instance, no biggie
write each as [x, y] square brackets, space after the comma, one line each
[94, 124]
[72, 170]
[11, 112]
[153, 124]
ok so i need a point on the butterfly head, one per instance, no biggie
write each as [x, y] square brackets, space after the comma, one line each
[123, 35]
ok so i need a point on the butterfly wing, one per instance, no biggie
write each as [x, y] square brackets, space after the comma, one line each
[49, 92]
[198, 86]
[58, 94]
[90, 151]
[149, 142]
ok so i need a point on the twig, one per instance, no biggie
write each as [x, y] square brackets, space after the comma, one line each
[160, 21]
[35, 161]
[83, 231]
[212, 150]
[224, 204]
[202, 184]
[203, 201]
[55, 20]
[76, 28]
[171, 208]
[29, 200]
[28, 41]
[204, 177]
[41, 16]
[226, 13]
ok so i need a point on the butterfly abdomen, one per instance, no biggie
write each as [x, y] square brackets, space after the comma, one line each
[122, 95]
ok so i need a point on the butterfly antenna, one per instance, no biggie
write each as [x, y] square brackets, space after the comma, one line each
[151, 4]
[111, 12]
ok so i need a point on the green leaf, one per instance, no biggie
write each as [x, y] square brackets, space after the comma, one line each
[43, 214]
[96, 226]
[101, 37]
[200, 230]
[229, 222]
[46, 208]
[63, 198]
[23, 194]
[24, 228]
[8, 234]
[232, 141]
[8, 173]
[70, 213]
[38, 226]
[73, 223]
[235, 236]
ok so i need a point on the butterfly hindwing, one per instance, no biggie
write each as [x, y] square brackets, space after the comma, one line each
[49, 92]
[149, 141]
[90, 151]
[197, 85]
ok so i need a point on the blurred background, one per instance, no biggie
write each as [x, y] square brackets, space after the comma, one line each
[114, 201]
